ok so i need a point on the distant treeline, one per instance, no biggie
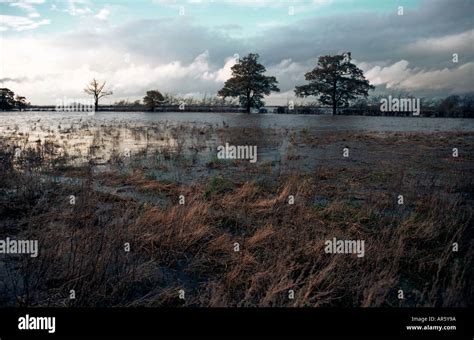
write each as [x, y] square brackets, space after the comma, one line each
[451, 106]
[459, 106]
[336, 83]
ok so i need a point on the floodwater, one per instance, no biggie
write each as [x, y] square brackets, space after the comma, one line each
[107, 138]
[322, 122]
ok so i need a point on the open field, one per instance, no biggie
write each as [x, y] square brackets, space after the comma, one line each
[126, 182]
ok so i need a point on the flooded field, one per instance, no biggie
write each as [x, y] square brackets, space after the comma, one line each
[154, 182]
[102, 138]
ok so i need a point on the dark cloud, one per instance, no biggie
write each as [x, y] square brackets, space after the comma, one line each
[373, 37]
[370, 36]
[13, 80]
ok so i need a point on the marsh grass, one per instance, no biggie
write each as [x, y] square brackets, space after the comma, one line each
[191, 246]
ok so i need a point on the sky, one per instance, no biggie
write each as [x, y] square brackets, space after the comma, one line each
[50, 50]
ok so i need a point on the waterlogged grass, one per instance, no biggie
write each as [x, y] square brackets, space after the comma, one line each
[217, 186]
[191, 246]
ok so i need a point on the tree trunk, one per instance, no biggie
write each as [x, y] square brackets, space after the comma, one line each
[247, 109]
[96, 105]
[334, 108]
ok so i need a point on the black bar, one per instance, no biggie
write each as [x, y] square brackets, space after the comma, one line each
[257, 322]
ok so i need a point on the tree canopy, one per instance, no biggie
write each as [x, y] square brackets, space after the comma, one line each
[152, 99]
[8, 101]
[336, 81]
[248, 83]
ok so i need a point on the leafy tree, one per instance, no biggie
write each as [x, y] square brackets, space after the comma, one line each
[122, 103]
[336, 81]
[249, 83]
[468, 105]
[127, 103]
[7, 99]
[96, 90]
[450, 105]
[21, 102]
[152, 99]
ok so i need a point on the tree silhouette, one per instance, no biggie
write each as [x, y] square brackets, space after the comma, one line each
[450, 105]
[336, 81]
[97, 91]
[21, 102]
[7, 99]
[152, 99]
[249, 83]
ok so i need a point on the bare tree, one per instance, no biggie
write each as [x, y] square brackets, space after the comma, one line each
[97, 90]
